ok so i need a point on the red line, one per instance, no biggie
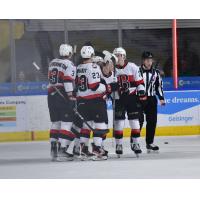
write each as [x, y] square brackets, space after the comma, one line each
[32, 135]
[174, 47]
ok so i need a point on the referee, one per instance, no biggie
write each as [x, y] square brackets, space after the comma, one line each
[153, 88]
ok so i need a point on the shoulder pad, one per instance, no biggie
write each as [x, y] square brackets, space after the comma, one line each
[71, 63]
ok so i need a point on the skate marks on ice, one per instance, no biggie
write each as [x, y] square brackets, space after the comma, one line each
[24, 161]
[180, 158]
[156, 156]
[163, 154]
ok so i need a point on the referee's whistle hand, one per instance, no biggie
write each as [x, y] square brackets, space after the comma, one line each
[162, 102]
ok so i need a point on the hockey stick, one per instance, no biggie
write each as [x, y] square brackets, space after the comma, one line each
[74, 109]
[113, 104]
[74, 53]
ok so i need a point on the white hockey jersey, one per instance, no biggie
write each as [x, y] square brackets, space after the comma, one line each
[61, 73]
[89, 81]
[129, 77]
[108, 79]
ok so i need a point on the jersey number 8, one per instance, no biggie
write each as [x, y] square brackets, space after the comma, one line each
[123, 80]
[82, 83]
[53, 77]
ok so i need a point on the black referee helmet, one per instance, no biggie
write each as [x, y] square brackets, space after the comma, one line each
[146, 55]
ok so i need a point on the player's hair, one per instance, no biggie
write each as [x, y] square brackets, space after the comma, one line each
[84, 59]
[101, 64]
[64, 57]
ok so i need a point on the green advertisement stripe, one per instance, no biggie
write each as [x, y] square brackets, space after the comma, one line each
[2, 114]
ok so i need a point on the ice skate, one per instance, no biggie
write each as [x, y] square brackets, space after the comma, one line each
[63, 155]
[119, 150]
[54, 151]
[76, 151]
[136, 148]
[99, 153]
[152, 148]
[85, 154]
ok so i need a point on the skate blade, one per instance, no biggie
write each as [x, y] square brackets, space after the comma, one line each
[64, 159]
[85, 158]
[96, 158]
[137, 155]
[54, 159]
[118, 155]
[152, 151]
[76, 157]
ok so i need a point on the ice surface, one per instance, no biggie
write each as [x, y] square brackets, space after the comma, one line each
[180, 158]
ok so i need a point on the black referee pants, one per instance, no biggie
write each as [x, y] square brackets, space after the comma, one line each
[149, 109]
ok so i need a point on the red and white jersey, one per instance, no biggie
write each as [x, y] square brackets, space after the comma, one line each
[62, 73]
[88, 79]
[129, 77]
[108, 79]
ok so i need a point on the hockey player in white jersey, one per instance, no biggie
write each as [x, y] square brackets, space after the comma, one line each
[91, 104]
[61, 76]
[131, 90]
[107, 78]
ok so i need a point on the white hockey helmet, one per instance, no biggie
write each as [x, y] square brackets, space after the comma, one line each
[111, 58]
[65, 50]
[87, 52]
[119, 50]
[97, 59]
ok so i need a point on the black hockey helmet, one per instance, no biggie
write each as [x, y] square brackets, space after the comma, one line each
[146, 55]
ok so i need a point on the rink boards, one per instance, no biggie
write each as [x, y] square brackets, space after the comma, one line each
[24, 118]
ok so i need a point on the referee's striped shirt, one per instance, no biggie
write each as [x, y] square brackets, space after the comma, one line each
[153, 82]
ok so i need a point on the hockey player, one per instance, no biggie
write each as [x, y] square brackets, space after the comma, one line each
[131, 83]
[61, 76]
[90, 104]
[107, 78]
[98, 60]
[77, 125]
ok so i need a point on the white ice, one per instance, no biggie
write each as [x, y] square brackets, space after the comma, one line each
[180, 158]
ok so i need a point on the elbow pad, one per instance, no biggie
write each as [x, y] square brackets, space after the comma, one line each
[101, 88]
[68, 86]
